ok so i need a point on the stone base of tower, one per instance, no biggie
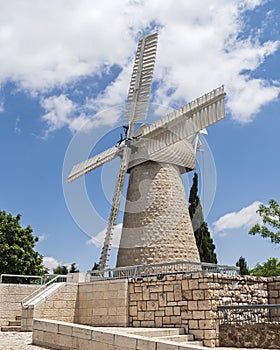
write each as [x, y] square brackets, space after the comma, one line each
[156, 227]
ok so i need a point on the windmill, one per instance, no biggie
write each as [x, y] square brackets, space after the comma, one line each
[155, 155]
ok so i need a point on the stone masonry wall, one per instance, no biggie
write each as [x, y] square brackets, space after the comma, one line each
[103, 303]
[264, 336]
[273, 286]
[191, 301]
[10, 300]
[60, 306]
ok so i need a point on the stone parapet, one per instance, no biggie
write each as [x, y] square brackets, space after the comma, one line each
[10, 300]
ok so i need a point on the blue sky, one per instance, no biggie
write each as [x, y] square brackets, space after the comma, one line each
[67, 65]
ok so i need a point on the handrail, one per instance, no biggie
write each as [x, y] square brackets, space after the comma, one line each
[37, 291]
[161, 269]
[20, 276]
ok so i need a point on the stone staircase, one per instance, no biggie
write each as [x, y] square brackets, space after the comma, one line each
[184, 338]
[170, 336]
[13, 325]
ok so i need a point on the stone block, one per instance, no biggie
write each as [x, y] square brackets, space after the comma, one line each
[147, 323]
[149, 316]
[210, 334]
[133, 311]
[193, 284]
[122, 311]
[207, 324]
[176, 311]
[158, 321]
[103, 337]
[170, 296]
[185, 284]
[176, 320]
[125, 341]
[146, 344]
[168, 288]
[211, 343]
[193, 305]
[198, 334]
[198, 295]
[198, 315]
[65, 329]
[154, 296]
[177, 292]
[204, 305]
[193, 324]
[152, 305]
[169, 311]
[162, 300]
[164, 345]
[82, 332]
[166, 320]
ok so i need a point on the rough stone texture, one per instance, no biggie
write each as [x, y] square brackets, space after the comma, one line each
[156, 226]
[18, 341]
[103, 303]
[191, 301]
[59, 306]
[10, 300]
[250, 336]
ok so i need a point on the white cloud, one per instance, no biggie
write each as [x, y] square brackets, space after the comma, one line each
[2, 109]
[244, 218]
[50, 262]
[45, 45]
[98, 240]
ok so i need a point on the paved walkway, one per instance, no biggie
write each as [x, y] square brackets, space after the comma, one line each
[17, 341]
[22, 341]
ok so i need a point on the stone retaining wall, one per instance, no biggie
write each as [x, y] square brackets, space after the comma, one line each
[265, 336]
[191, 301]
[10, 300]
[103, 303]
[60, 305]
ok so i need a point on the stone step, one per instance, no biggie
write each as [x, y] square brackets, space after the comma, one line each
[14, 323]
[10, 328]
[178, 338]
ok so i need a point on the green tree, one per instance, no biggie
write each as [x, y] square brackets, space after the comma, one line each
[203, 238]
[96, 266]
[242, 264]
[60, 270]
[17, 248]
[270, 215]
[73, 268]
[268, 269]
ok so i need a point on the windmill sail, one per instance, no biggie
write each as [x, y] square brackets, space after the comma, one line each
[136, 109]
[93, 163]
[141, 81]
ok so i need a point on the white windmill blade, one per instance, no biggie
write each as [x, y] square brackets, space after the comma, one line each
[190, 119]
[93, 163]
[114, 209]
[141, 81]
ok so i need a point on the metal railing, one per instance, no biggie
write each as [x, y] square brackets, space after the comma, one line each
[36, 292]
[16, 277]
[249, 314]
[160, 270]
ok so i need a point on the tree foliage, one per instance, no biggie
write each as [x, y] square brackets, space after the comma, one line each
[60, 270]
[203, 238]
[242, 264]
[270, 215]
[64, 270]
[17, 248]
[268, 269]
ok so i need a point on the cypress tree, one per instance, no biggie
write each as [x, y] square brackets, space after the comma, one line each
[203, 238]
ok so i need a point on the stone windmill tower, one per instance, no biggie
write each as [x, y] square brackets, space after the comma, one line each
[156, 226]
